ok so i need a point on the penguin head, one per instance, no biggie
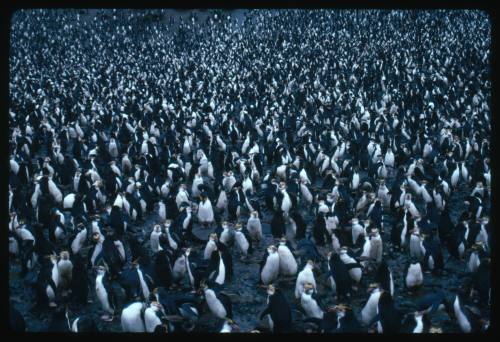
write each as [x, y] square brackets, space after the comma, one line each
[271, 289]
[157, 228]
[64, 255]
[271, 249]
[255, 214]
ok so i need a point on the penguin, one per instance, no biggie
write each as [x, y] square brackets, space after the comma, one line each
[217, 268]
[278, 224]
[346, 321]
[254, 226]
[288, 264]
[338, 277]
[388, 317]
[243, 240]
[309, 302]
[84, 324]
[154, 238]
[467, 317]
[416, 249]
[269, 266]
[227, 235]
[105, 293]
[205, 212]
[414, 277]
[384, 277]
[354, 267]
[278, 311]
[369, 311]
[132, 317]
[210, 247]
[219, 304]
[305, 276]
[65, 271]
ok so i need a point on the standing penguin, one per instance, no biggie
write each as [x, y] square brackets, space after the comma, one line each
[305, 276]
[414, 277]
[219, 304]
[339, 278]
[269, 266]
[278, 311]
[369, 311]
[383, 276]
[243, 240]
[105, 294]
[388, 317]
[310, 302]
[354, 267]
[288, 264]
[278, 224]
[65, 270]
[210, 247]
[254, 226]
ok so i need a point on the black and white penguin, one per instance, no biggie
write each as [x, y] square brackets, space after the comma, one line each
[467, 317]
[369, 311]
[306, 276]
[338, 277]
[269, 266]
[65, 272]
[254, 226]
[278, 311]
[84, 324]
[346, 321]
[278, 224]
[388, 318]
[354, 267]
[219, 304]
[288, 264]
[414, 277]
[133, 317]
[105, 294]
[384, 277]
[243, 240]
[310, 302]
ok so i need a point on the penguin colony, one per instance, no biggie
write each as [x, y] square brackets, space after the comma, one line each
[289, 171]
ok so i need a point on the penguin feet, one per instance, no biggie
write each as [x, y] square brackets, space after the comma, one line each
[52, 305]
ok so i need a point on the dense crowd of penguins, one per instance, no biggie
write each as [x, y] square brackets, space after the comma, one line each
[350, 132]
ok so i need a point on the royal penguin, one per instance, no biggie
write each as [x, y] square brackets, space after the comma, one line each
[310, 303]
[414, 277]
[154, 238]
[278, 311]
[467, 317]
[254, 226]
[269, 266]
[416, 246]
[210, 247]
[305, 276]
[383, 277]
[132, 317]
[243, 240]
[353, 266]
[84, 324]
[338, 277]
[65, 272]
[219, 304]
[388, 318]
[346, 321]
[369, 311]
[227, 235]
[105, 293]
[288, 264]
[205, 212]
